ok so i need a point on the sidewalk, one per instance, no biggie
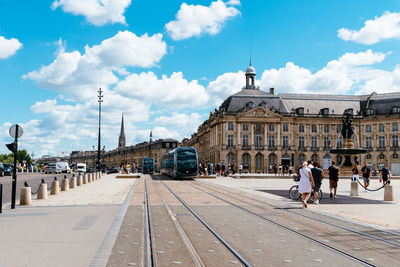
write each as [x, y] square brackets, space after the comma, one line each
[64, 230]
[368, 208]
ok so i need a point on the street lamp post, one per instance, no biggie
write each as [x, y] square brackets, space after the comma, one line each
[100, 100]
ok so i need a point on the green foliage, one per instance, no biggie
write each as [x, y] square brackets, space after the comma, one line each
[22, 155]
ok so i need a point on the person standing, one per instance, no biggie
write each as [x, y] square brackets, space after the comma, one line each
[305, 184]
[333, 179]
[385, 174]
[240, 168]
[355, 173]
[366, 172]
[318, 175]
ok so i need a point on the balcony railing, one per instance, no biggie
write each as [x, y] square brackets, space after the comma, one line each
[246, 147]
[381, 148]
[259, 147]
[327, 148]
[302, 149]
[272, 148]
[314, 149]
[231, 147]
[285, 147]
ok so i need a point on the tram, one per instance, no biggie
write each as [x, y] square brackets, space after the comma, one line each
[181, 162]
[148, 166]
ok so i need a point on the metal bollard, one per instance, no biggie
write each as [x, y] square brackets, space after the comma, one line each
[1, 198]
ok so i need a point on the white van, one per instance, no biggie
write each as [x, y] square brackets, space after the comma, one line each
[81, 167]
[63, 165]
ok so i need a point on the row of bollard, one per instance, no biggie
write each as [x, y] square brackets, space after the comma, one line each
[387, 194]
[26, 192]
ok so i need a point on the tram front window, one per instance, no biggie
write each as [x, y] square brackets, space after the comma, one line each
[186, 161]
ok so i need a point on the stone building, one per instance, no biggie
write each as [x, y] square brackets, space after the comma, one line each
[126, 154]
[260, 129]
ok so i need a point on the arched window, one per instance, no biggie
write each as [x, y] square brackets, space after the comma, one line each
[368, 156]
[381, 156]
[231, 158]
[395, 156]
[272, 160]
[263, 104]
[259, 161]
[302, 158]
[314, 158]
[348, 111]
[245, 159]
[250, 105]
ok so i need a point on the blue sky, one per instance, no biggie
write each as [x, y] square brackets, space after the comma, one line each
[166, 64]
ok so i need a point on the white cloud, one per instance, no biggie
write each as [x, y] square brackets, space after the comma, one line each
[225, 85]
[185, 123]
[173, 91]
[341, 76]
[233, 2]
[78, 75]
[162, 132]
[194, 20]
[97, 12]
[380, 28]
[8, 47]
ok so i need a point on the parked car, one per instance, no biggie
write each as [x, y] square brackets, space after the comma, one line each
[81, 167]
[1, 169]
[63, 165]
[8, 168]
[52, 168]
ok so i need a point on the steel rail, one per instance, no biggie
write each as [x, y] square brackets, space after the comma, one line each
[192, 251]
[321, 221]
[343, 253]
[220, 238]
[150, 260]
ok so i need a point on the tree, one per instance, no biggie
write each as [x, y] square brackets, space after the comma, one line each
[22, 155]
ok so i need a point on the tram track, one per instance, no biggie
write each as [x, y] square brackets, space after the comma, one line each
[349, 254]
[378, 238]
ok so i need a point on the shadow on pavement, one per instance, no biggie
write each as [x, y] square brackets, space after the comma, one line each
[340, 199]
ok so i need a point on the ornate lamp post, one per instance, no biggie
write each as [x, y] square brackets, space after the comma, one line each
[100, 100]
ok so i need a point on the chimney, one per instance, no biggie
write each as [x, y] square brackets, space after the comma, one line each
[271, 91]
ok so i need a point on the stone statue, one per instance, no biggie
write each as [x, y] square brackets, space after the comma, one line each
[347, 128]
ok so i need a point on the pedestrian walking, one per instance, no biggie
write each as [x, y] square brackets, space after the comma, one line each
[290, 170]
[333, 179]
[306, 183]
[355, 173]
[318, 175]
[385, 174]
[366, 173]
[240, 168]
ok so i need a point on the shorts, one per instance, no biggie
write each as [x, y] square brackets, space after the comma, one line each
[317, 187]
[332, 184]
[385, 179]
[355, 178]
[366, 180]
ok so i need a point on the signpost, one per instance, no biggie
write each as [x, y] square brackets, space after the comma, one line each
[15, 132]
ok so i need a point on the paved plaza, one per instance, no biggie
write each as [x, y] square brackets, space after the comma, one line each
[98, 223]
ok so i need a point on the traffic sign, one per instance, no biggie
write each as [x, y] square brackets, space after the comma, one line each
[13, 131]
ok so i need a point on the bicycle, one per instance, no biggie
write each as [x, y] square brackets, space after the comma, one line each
[295, 195]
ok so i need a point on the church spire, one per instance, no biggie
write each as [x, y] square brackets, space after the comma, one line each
[151, 136]
[121, 141]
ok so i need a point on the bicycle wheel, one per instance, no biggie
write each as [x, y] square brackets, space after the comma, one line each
[294, 192]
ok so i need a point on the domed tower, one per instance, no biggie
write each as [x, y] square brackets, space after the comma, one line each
[250, 75]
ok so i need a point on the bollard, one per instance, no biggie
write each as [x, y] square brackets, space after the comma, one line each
[89, 177]
[79, 181]
[388, 193]
[85, 178]
[64, 185]
[55, 188]
[92, 176]
[73, 182]
[97, 175]
[353, 189]
[1, 198]
[26, 196]
[42, 193]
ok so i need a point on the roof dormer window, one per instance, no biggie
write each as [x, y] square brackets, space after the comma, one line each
[300, 111]
[250, 105]
[348, 111]
[263, 104]
[369, 112]
[325, 112]
[395, 110]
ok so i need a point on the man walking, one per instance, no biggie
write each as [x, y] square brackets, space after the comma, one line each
[318, 176]
[385, 174]
[333, 179]
[366, 172]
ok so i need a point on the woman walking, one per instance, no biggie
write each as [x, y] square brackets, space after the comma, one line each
[305, 184]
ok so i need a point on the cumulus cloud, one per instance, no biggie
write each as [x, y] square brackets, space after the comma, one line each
[185, 123]
[78, 74]
[194, 20]
[375, 30]
[341, 76]
[97, 12]
[173, 91]
[8, 47]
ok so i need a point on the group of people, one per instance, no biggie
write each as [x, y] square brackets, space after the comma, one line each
[281, 169]
[208, 168]
[311, 176]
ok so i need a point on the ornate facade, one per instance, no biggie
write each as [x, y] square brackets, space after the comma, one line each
[260, 129]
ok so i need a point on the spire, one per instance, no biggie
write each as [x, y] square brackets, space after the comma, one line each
[121, 141]
[151, 136]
